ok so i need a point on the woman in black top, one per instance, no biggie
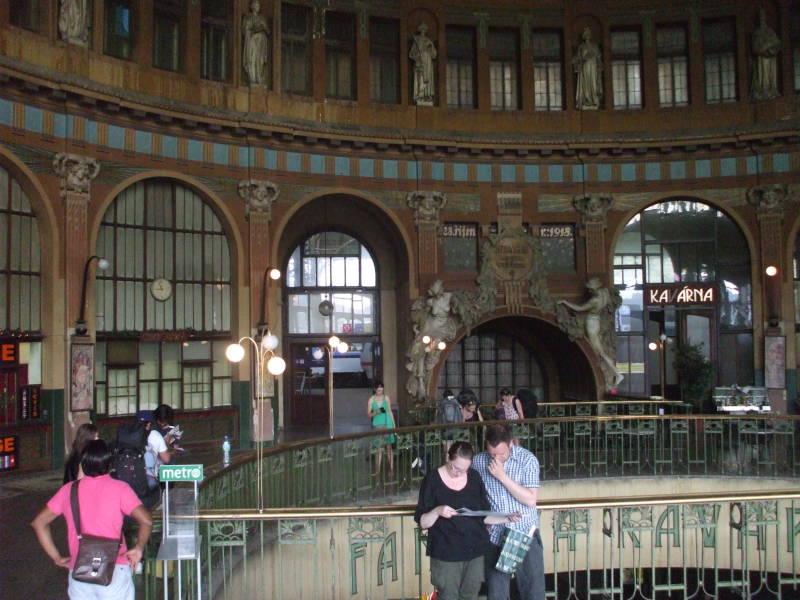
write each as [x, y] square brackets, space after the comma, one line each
[85, 434]
[456, 545]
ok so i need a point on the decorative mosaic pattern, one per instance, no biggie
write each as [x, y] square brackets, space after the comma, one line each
[109, 136]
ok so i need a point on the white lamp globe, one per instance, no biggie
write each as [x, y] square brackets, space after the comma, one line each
[426, 339]
[653, 346]
[342, 347]
[317, 353]
[441, 345]
[274, 274]
[234, 353]
[103, 264]
[269, 341]
[276, 365]
[333, 341]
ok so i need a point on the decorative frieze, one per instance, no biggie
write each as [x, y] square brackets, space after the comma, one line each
[76, 172]
[258, 196]
[426, 206]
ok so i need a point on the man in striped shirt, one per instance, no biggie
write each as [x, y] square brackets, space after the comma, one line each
[511, 476]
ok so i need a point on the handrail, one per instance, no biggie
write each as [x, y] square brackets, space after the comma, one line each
[329, 512]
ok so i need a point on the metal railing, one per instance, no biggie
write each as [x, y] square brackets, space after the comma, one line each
[658, 546]
[426, 414]
[329, 472]
[698, 546]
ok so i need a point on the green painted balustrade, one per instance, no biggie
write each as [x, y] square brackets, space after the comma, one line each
[331, 472]
[739, 545]
[306, 519]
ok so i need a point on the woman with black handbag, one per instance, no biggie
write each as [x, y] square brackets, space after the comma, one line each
[94, 507]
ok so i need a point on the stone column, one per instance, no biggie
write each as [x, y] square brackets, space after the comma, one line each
[76, 173]
[769, 202]
[426, 207]
[258, 197]
[593, 210]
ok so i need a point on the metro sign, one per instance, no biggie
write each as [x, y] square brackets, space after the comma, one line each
[680, 295]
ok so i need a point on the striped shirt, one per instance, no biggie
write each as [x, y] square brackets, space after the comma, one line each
[523, 468]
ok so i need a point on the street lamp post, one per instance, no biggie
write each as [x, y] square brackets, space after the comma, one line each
[267, 364]
[80, 324]
[334, 343]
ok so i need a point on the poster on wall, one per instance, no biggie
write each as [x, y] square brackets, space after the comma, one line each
[81, 376]
[775, 361]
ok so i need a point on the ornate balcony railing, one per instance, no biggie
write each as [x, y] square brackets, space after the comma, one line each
[282, 544]
[733, 545]
[330, 472]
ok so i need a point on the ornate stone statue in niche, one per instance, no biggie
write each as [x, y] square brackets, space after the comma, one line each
[73, 22]
[423, 53]
[588, 66]
[430, 316]
[765, 46]
[255, 51]
[598, 327]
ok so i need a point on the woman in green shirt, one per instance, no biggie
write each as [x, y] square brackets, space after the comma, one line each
[379, 409]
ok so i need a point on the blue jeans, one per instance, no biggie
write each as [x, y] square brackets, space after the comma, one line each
[530, 574]
[121, 587]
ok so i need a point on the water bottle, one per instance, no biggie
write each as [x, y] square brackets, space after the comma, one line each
[226, 452]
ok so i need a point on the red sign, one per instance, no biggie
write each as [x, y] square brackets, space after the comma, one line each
[9, 452]
[8, 352]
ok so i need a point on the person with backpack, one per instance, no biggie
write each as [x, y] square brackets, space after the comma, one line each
[157, 452]
[449, 410]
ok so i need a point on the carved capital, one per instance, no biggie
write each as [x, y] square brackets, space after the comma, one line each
[768, 200]
[258, 196]
[76, 172]
[593, 208]
[426, 206]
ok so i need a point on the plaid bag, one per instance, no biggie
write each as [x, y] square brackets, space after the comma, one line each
[515, 547]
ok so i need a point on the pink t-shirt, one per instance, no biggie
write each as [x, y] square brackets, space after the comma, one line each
[103, 502]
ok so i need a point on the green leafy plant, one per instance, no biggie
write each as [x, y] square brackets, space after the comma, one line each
[694, 374]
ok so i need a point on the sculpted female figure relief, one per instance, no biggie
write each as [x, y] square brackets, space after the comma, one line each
[766, 46]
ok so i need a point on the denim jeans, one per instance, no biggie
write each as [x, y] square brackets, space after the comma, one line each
[530, 574]
[121, 587]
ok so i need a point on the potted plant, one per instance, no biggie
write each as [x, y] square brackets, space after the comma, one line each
[694, 375]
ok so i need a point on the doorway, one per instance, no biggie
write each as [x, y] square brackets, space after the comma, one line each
[309, 377]
[694, 326]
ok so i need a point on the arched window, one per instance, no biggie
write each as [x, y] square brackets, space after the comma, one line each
[682, 244]
[334, 267]
[20, 295]
[20, 303]
[164, 305]
[487, 362]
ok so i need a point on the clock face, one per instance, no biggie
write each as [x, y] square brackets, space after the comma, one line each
[161, 289]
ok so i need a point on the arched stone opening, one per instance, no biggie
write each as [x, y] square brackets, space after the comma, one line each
[377, 350]
[506, 350]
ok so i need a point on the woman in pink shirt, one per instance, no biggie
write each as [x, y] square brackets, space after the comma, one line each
[103, 503]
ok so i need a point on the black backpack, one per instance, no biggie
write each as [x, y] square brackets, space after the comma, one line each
[128, 457]
[449, 411]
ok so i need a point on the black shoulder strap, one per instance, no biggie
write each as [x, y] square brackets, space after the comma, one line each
[76, 509]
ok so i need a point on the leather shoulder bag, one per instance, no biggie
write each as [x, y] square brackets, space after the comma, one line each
[97, 556]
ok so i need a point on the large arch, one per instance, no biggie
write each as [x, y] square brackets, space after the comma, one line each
[368, 221]
[686, 322]
[578, 378]
[218, 205]
[375, 207]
